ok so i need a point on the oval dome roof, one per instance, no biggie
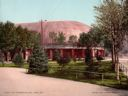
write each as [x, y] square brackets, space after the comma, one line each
[67, 27]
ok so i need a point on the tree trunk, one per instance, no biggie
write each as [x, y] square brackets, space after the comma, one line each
[115, 61]
[88, 57]
[113, 57]
[117, 66]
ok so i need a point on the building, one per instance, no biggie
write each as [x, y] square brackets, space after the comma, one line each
[74, 52]
[68, 28]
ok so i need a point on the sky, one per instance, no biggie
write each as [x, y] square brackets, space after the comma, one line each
[22, 11]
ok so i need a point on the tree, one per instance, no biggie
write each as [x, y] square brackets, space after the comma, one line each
[38, 61]
[15, 38]
[7, 37]
[1, 58]
[53, 36]
[7, 33]
[91, 39]
[63, 61]
[61, 38]
[24, 38]
[32, 38]
[97, 36]
[56, 55]
[125, 17]
[58, 38]
[72, 39]
[20, 42]
[18, 59]
[85, 40]
[110, 18]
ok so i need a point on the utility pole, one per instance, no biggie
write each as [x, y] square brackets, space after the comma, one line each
[42, 33]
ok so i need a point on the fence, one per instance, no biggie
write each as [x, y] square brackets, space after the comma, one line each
[77, 73]
[124, 69]
[72, 71]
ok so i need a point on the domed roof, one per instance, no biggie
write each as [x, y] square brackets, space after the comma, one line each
[67, 27]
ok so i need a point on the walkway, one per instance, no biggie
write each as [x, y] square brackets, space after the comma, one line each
[15, 82]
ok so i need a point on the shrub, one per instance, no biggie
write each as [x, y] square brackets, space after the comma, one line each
[38, 61]
[88, 58]
[56, 55]
[63, 61]
[18, 60]
[1, 57]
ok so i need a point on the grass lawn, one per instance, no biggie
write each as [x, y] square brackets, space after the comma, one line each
[13, 65]
[102, 74]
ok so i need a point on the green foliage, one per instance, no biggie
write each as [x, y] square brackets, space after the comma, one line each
[1, 58]
[92, 68]
[63, 61]
[93, 38]
[85, 39]
[107, 44]
[18, 60]
[25, 38]
[15, 37]
[72, 39]
[88, 57]
[111, 19]
[53, 36]
[61, 38]
[25, 65]
[58, 38]
[56, 55]
[105, 67]
[7, 33]
[97, 36]
[125, 17]
[75, 71]
[38, 61]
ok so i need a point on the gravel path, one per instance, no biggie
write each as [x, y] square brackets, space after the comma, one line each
[15, 82]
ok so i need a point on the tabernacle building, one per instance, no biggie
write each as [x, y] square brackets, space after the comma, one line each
[68, 28]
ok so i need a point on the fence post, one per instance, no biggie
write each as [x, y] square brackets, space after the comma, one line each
[127, 72]
[26, 70]
[76, 75]
[123, 68]
[102, 75]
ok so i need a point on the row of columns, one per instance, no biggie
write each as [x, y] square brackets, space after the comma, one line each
[76, 53]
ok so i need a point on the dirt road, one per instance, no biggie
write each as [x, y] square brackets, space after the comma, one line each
[15, 82]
